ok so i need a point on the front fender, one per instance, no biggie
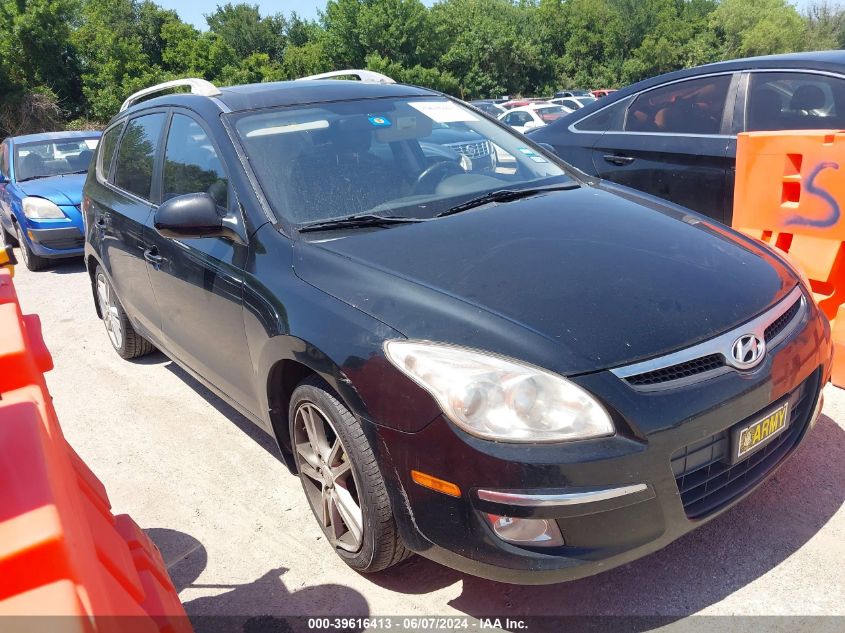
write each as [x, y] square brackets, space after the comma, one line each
[288, 320]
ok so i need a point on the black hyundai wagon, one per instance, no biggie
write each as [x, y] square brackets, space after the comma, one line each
[510, 368]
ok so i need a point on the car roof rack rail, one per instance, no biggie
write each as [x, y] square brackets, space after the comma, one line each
[367, 76]
[197, 86]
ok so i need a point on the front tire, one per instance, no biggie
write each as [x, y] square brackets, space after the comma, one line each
[32, 261]
[341, 479]
[125, 340]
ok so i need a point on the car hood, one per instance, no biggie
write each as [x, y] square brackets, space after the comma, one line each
[575, 281]
[63, 190]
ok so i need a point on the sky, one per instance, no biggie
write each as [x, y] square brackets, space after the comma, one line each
[193, 10]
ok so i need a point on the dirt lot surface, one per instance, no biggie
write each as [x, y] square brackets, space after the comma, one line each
[239, 538]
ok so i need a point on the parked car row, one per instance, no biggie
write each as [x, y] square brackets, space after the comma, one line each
[435, 342]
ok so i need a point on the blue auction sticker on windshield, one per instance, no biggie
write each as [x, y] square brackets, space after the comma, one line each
[530, 153]
[379, 121]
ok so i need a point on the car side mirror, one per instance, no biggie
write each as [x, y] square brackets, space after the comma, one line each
[193, 215]
[549, 148]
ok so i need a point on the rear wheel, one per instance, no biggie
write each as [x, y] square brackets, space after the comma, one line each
[32, 261]
[125, 340]
[342, 480]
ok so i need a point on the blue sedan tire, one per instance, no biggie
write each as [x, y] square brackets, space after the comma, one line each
[32, 261]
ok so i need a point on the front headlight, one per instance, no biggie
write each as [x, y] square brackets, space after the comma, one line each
[41, 209]
[498, 398]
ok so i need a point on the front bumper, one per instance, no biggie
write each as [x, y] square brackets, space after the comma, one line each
[657, 452]
[57, 242]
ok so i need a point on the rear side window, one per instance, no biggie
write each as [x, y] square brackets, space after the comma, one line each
[795, 101]
[109, 144]
[136, 154]
[191, 164]
[686, 107]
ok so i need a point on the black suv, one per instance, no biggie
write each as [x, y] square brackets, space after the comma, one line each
[517, 372]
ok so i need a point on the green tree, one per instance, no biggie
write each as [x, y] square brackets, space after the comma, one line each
[112, 57]
[242, 28]
[825, 25]
[489, 48]
[758, 27]
[36, 53]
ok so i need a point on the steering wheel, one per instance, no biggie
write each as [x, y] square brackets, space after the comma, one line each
[433, 174]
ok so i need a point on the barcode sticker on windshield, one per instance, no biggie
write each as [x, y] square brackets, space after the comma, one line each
[443, 111]
[530, 153]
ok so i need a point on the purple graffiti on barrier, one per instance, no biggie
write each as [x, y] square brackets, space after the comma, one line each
[833, 217]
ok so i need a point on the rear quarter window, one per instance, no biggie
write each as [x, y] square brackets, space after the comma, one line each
[609, 119]
[107, 148]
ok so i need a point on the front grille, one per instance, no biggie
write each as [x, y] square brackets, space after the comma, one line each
[63, 243]
[707, 481]
[472, 150]
[676, 372]
[782, 321]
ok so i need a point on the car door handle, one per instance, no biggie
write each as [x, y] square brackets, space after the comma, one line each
[152, 256]
[619, 160]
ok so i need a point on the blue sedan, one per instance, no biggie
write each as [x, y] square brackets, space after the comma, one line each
[41, 179]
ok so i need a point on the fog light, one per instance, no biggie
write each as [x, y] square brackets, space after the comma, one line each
[533, 532]
[817, 412]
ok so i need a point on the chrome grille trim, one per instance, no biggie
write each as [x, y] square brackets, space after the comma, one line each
[477, 149]
[718, 345]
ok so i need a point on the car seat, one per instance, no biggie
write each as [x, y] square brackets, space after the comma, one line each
[30, 166]
[339, 176]
[765, 111]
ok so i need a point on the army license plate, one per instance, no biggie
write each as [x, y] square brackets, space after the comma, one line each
[748, 439]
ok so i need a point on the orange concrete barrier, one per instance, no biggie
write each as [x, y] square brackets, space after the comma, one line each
[7, 259]
[790, 193]
[62, 552]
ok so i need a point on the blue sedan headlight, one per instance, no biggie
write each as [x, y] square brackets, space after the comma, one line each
[41, 209]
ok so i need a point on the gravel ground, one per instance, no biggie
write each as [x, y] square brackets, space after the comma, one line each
[239, 538]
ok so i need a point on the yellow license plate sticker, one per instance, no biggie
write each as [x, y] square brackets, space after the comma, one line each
[760, 432]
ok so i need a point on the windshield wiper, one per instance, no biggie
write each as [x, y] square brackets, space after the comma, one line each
[504, 195]
[356, 221]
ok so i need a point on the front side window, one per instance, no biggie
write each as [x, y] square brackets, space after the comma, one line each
[795, 101]
[191, 164]
[136, 154]
[409, 157]
[57, 157]
[685, 107]
[109, 144]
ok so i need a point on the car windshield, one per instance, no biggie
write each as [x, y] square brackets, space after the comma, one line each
[408, 157]
[41, 159]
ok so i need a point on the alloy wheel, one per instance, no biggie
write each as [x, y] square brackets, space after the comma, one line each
[109, 310]
[328, 477]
